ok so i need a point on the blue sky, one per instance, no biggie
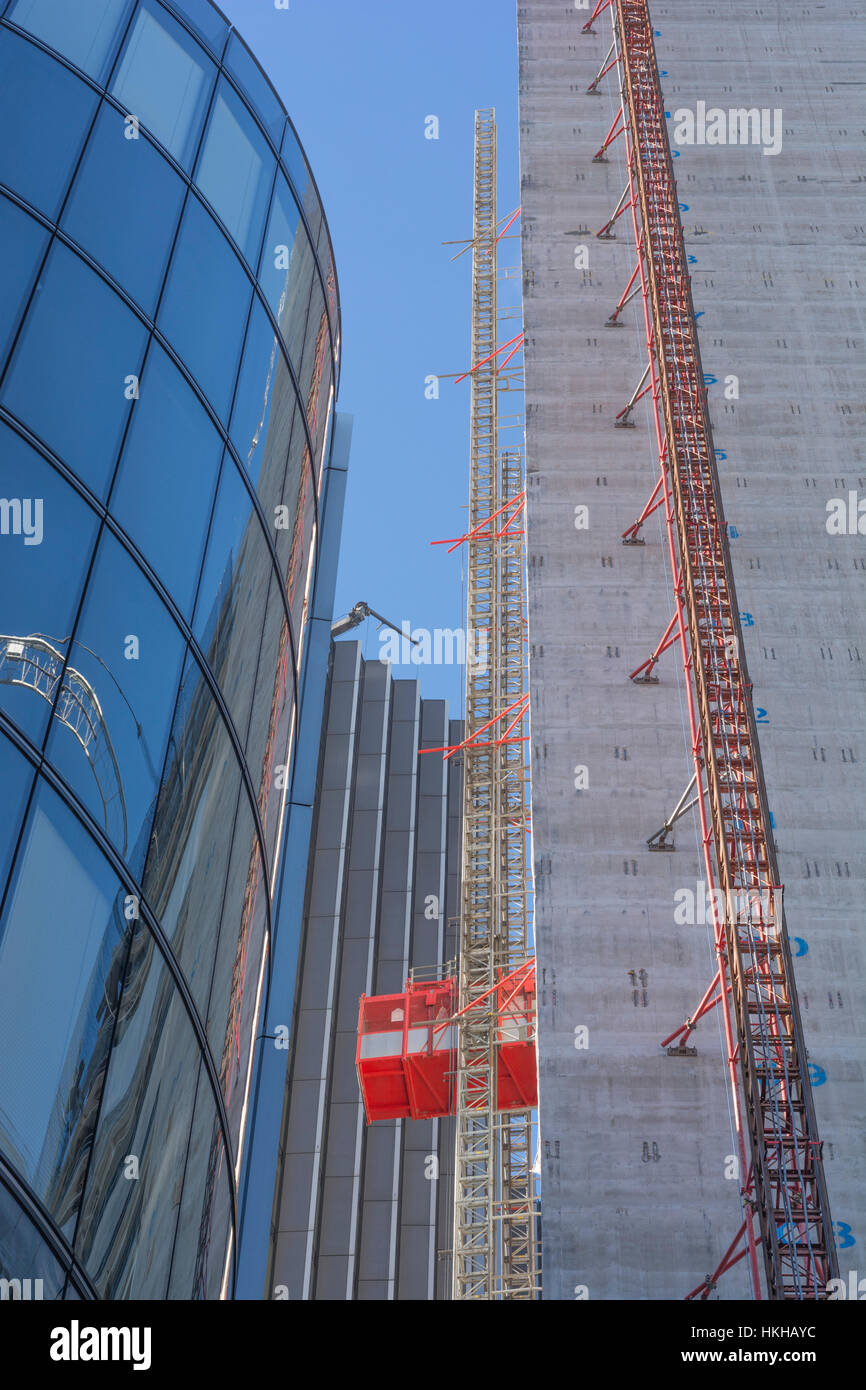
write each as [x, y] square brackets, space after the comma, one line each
[358, 78]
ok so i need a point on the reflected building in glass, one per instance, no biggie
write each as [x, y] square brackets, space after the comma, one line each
[171, 475]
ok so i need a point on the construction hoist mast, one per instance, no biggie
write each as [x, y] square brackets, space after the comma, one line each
[495, 1247]
[773, 1109]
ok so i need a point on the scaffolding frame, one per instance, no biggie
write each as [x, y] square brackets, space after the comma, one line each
[495, 1248]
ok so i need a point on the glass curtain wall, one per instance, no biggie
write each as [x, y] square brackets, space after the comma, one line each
[169, 348]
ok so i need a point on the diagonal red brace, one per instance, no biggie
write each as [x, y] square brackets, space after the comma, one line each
[604, 233]
[522, 707]
[520, 336]
[627, 409]
[598, 157]
[594, 84]
[667, 641]
[627, 294]
[599, 9]
[629, 537]
[477, 534]
[687, 1028]
[508, 224]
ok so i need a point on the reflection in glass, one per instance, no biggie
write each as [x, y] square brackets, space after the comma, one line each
[128, 651]
[127, 1229]
[85, 32]
[250, 78]
[165, 484]
[63, 926]
[164, 78]
[287, 270]
[287, 527]
[206, 325]
[265, 411]
[326, 261]
[40, 583]
[301, 554]
[185, 875]
[67, 378]
[237, 574]
[23, 241]
[236, 171]
[16, 779]
[206, 20]
[24, 1254]
[205, 1218]
[124, 207]
[267, 745]
[299, 173]
[45, 111]
[316, 371]
[237, 972]
[241, 624]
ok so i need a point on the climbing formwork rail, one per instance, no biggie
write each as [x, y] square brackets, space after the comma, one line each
[782, 1179]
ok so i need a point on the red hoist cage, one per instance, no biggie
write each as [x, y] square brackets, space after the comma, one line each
[407, 1047]
[782, 1178]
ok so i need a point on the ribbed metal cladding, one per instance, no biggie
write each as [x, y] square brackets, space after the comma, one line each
[359, 1212]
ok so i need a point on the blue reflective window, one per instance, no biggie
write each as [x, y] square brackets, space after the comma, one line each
[204, 310]
[85, 33]
[60, 973]
[301, 525]
[315, 363]
[165, 485]
[123, 674]
[23, 241]
[238, 961]
[47, 534]
[45, 111]
[293, 157]
[207, 22]
[230, 1020]
[299, 171]
[296, 478]
[287, 272]
[24, 1253]
[124, 207]
[205, 1218]
[127, 1229]
[236, 171]
[68, 376]
[185, 876]
[250, 78]
[264, 409]
[318, 371]
[326, 261]
[234, 589]
[267, 744]
[285, 238]
[16, 779]
[164, 78]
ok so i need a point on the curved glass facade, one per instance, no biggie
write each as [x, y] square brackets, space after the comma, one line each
[169, 348]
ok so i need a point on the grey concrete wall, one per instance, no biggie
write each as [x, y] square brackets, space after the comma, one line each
[634, 1143]
[359, 1215]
